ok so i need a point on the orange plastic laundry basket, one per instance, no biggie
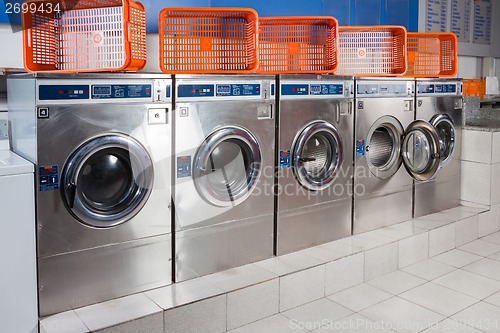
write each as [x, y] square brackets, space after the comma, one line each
[208, 40]
[298, 45]
[85, 36]
[372, 51]
[432, 54]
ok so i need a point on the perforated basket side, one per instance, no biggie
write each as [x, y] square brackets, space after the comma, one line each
[432, 54]
[137, 36]
[372, 51]
[211, 40]
[297, 45]
[40, 40]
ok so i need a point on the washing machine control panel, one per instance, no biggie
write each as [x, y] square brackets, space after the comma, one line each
[438, 88]
[219, 90]
[402, 89]
[314, 89]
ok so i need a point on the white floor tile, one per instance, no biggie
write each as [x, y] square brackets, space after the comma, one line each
[276, 324]
[483, 316]
[117, 311]
[495, 256]
[355, 323]
[493, 238]
[480, 247]
[205, 316]
[367, 240]
[489, 222]
[485, 267]
[253, 303]
[381, 260]
[413, 249]
[439, 299]
[397, 282]
[288, 263]
[150, 324]
[493, 299]
[402, 315]
[63, 322]
[344, 273]
[469, 283]
[457, 258]
[449, 325]
[320, 312]
[466, 230]
[430, 223]
[329, 252]
[428, 269]
[360, 297]
[441, 240]
[240, 277]
[302, 287]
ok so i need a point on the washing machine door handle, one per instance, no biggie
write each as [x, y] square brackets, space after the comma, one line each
[72, 193]
[307, 159]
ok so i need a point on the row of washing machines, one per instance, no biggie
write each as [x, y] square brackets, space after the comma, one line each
[147, 179]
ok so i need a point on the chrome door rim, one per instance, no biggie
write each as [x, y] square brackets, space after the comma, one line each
[444, 118]
[203, 154]
[335, 140]
[140, 163]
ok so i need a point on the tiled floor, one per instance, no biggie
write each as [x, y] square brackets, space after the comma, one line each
[456, 291]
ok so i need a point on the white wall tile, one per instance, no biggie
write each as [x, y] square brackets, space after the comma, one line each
[344, 273]
[250, 304]
[63, 322]
[302, 287]
[476, 183]
[149, 324]
[495, 158]
[413, 249]
[466, 230]
[441, 240]
[381, 260]
[495, 183]
[206, 316]
[476, 146]
[489, 222]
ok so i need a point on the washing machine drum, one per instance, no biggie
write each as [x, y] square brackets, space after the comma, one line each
[107, 180]
[317, 155]
[227, 166]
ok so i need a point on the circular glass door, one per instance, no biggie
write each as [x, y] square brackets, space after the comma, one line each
[227, 166]
[421, 151]
[317, 155]
[107, 180]
[446, 132]
[383, 147]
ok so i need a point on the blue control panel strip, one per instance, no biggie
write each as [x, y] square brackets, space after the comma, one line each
[196, 90]
[312, 89]
[48, 178]
[437, 88]
[237, 90]
[381, 89]
[63, 92]
[112, 91]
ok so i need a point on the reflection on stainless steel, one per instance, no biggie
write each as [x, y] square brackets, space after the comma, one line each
[104, 230]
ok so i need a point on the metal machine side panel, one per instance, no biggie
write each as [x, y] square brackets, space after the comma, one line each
[313, 225]
[22, 117]
[78, 279]
[203, 251]
[435, 196]
[91, 76]
[373, 211]
[66, 129]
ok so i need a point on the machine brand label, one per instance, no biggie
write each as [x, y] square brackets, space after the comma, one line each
[112, 91]
[237, 89]
[360, 147]
[63, 92]
[285, 159]
[48, 178]
[437, 88]
[195, 90]
[184, 166]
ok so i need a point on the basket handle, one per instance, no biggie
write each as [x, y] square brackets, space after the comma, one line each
[129, 32]
[28, 31]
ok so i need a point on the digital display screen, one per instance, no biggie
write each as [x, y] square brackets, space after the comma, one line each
[101, 90]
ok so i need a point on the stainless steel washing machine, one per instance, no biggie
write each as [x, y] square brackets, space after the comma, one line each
[224, 154]
[387, 136]
[102, 147]
[314, 189]
[440, 103]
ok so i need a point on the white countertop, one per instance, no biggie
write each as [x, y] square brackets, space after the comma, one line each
[12, 164]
